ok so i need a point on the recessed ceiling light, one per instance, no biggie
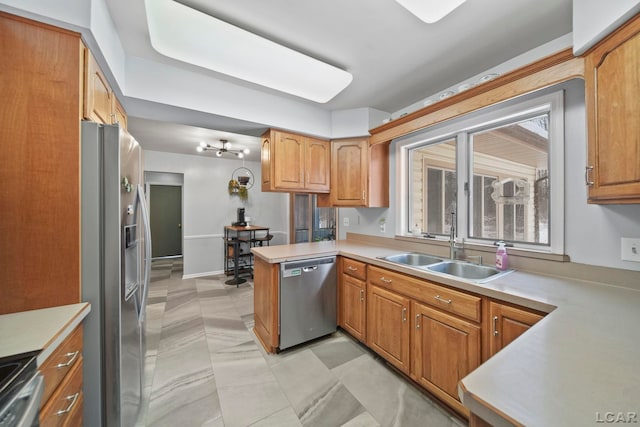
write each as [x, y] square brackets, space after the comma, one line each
[446, 94]
[188, 35]
[488, 77]
[430, 11]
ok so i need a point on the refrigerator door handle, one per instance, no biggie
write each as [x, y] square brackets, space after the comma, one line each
[147, 251]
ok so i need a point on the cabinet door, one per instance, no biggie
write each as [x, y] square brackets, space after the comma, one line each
[39, 165]
[612, 77]
[318, 159]
[288, 161]
[349, 172]
[388, 327]
[119, 114]
[445, 349]
[507, 324]
[265, 161]
[97, 92]
[353, 301]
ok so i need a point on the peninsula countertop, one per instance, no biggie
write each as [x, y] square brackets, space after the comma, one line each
[578, 366]
[42, 329]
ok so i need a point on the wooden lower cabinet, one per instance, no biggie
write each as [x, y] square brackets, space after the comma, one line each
[62, 398]
[445, 349]
[353, 306]
[507, 324]
[265, 303]
[388, 328]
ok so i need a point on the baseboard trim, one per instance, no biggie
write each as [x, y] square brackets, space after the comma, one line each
[204, 274]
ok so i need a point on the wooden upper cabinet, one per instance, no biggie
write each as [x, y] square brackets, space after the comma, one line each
[612, 77]
[317, 164]
[288, 161]
[265, 161]
[100, 103]
[39, 165]
[98, 96]
[359, 174]
[119, 114]
[294, 163]
[507, 324]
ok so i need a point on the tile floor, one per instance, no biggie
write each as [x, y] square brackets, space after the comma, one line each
[205, 368]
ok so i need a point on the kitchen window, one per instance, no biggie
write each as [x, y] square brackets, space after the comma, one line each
[497, 173]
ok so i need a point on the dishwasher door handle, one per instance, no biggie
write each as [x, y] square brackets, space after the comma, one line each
[308, 269]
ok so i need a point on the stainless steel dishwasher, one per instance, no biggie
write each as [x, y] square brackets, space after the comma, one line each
[308, 301]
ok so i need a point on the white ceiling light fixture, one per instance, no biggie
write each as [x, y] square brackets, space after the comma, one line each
[430, 11]
[225, 148]
[188, 35]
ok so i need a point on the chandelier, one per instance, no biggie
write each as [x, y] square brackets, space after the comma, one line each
[225, 148]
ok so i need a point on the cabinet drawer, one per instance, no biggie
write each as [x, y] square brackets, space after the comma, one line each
[459, 303]
[64, 408]
[354, 268]
[66, 356]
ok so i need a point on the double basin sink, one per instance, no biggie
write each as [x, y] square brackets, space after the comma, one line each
[456, 268]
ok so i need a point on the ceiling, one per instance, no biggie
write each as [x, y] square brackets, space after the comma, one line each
[396, 59]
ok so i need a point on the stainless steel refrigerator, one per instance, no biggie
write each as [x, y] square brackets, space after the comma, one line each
[116, 257]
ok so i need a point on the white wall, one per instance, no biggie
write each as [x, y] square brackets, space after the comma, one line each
[595, 19]
[355, 122]
[208, 207]
[592, 232]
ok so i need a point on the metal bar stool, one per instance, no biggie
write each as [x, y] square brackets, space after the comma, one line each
[235, 246]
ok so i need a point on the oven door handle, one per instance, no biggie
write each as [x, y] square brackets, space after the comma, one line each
[31, 412]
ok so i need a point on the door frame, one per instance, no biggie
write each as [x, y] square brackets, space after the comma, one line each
[170, 179]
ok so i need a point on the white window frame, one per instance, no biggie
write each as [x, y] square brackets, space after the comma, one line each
[459, 128]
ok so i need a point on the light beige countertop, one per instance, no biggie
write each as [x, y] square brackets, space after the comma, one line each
[42, 329]
[578, 366]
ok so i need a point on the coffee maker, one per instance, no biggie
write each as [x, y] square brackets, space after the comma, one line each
[241, 220]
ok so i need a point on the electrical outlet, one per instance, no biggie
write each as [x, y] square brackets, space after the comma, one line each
[630, 249]
[345, 221]
[383, 227]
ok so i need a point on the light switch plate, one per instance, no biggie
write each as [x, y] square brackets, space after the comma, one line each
[630, 249]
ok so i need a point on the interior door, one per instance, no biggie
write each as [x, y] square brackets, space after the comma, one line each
[165, 205]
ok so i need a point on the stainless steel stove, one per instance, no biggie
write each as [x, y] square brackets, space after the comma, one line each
[20, 390]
